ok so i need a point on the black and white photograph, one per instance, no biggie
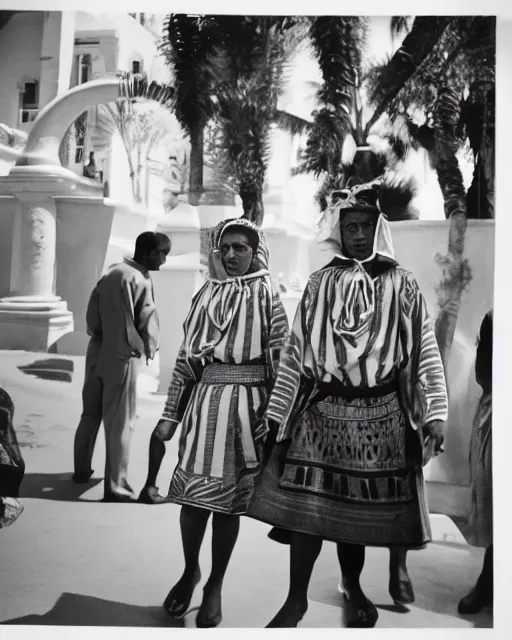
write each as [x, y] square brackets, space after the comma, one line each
[247, 294]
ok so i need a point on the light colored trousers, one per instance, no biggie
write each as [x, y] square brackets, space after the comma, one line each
[115, 404]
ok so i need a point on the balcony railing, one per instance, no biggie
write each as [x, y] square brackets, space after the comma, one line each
[27, 115]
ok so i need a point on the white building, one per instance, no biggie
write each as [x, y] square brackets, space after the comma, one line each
[45, 53]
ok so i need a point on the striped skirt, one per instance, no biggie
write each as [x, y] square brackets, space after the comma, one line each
[221, 442]
[348, 474]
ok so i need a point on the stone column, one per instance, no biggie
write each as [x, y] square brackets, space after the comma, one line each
[32, 317]
[56, 55]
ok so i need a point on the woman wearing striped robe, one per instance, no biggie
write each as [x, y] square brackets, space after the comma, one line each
[358, 407]
[226, 367]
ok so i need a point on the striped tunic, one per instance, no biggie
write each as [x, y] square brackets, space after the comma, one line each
[361, 366]
[332, 339]
[239, 322]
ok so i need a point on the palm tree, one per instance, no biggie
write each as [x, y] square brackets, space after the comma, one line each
[190, 45]
[251, 75]
[461, 61]
[143, 127]
[230, 81]
[440, 60]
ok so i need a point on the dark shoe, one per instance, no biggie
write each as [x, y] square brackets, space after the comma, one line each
[119, 498]
[474, 602]
[82, 478]
[150, 495]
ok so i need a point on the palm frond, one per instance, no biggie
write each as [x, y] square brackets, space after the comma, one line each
[190, 45]
[250, 82]
[400, 24]
[338, 43]
[417, 45]
[293, 124]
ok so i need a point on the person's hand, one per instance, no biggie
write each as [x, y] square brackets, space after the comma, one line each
[433, 440]
[166, 428]
[220, 271]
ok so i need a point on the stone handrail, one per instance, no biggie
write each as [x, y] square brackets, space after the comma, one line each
[57, 116]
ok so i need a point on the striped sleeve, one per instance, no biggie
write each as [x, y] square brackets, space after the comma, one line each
[286, 391]
[427, 360]
[183, 380]
[279, 330]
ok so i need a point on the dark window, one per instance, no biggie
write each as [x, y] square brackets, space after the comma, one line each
[84, 68]
[135, 66]
[29, 100]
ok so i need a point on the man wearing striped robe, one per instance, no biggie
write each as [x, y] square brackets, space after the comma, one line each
[358, 408]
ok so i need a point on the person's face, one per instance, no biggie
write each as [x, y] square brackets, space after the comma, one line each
[157, 258]
[236, 253]
[357, 233]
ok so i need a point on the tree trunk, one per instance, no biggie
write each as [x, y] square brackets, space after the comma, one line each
[480, 196]
[252, 202]
[456, 271]
[195, 188]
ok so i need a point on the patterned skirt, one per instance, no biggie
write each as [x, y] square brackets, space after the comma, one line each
[350, 473]
[480, 533]
[220, 445]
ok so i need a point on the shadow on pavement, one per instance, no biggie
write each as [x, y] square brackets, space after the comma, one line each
[325, 595]
[54, 486]
[50, 369]
[76, 610]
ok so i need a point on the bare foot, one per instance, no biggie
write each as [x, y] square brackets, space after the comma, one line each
[178, 599]
[290, 614]
[400, 585]
[362, 612]
[210, 611]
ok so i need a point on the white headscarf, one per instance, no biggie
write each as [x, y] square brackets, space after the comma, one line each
[357, 298]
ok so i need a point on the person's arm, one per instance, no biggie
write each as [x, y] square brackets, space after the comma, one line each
[184, 377]
[483, 362]
[279, 331]
[430, 370]
[426, 368]
[93, 316]
[132, 335]
[289, 386]
[146, 320]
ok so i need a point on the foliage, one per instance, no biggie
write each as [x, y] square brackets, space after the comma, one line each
[143, 127]
[230, 71]
[440, 60]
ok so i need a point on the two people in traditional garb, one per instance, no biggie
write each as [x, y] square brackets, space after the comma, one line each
[480, 532]
[233, 336]
[122, 322]
[12, 465]
[358, 408]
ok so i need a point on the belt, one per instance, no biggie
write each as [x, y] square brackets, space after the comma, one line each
[337, 390]
[246, 374]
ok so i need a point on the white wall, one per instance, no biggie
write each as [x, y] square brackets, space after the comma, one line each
[20, 52]
[134, 41]
[416, 245]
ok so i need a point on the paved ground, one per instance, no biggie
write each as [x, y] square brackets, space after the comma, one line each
[71, 560]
